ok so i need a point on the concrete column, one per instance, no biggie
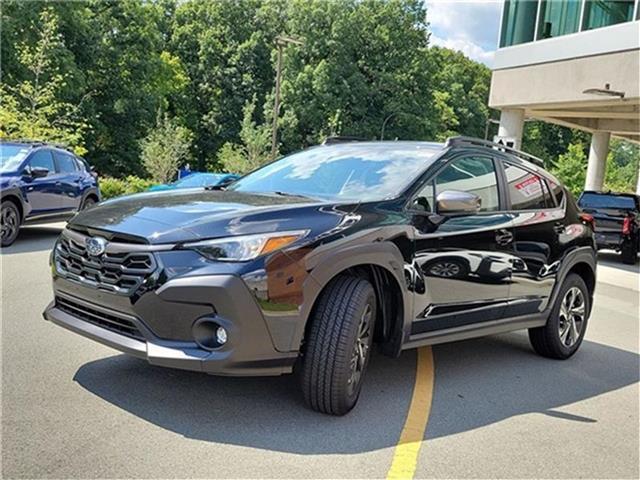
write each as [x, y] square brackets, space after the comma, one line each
[511, 124]
[597, 160]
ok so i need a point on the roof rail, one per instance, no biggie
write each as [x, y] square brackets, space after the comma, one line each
[36, 143]
[451, 141]
[339, 139]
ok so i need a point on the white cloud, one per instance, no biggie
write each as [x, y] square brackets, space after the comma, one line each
[467, 47]
[466, 25]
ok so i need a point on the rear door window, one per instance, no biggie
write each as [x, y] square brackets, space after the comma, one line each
[66, 163]
[526, 189]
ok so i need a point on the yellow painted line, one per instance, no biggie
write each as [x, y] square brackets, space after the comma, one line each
[405, 457]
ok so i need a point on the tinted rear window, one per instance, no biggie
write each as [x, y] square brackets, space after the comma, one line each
[597, 200]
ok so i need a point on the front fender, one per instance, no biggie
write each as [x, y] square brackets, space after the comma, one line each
[324, 266]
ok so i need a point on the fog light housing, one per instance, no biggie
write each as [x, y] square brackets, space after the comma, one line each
[221, 335]
[209, 334]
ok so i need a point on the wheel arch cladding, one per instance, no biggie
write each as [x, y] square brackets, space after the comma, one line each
[16, 201]
[384, 269]
[584, 270]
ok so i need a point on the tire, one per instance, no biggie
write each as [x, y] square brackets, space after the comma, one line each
[548, 340]
[88, 203]
[340, 337]
[10, 222]
[629, 252]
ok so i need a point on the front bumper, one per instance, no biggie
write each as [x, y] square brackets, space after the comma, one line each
[224, 298]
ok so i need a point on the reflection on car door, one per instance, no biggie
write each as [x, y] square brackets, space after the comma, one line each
[69, 179]
[538, 226]
[43, 194]
[462, 266]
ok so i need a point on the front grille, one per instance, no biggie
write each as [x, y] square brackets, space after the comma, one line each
[120, 273]
[111, 321]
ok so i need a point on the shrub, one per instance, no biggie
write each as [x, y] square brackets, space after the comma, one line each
[165, 149]
[115, 187]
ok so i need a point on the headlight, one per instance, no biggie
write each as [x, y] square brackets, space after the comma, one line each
[244, 247]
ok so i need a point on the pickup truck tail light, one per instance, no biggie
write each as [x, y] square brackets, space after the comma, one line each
[626, 226]
[588, 219]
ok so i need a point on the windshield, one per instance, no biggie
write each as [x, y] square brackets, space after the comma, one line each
[11, 156]
[362, 172]
[596, 200]
[199, 180]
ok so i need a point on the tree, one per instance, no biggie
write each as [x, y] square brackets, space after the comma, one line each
[461, 93]
[165, 148]
[256, 144]
[32, 108]
[571, 168]
[362, 62]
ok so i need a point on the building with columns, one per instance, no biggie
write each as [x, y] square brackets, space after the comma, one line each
[574, 63]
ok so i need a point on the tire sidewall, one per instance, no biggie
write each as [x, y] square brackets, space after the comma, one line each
[370, 299]
[629, 251]
[572, 280]
[11, 205]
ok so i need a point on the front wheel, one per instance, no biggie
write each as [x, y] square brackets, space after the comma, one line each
[563, 334]
[338, 345]
[10, 217]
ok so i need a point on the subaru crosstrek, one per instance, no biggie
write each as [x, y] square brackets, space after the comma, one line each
[41, 183]
[310, 260]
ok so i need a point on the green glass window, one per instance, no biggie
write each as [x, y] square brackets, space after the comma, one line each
[518, 22]
[602, 13]
[558, 17]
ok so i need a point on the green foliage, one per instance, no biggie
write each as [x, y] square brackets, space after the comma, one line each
[622, 166]
[461, 93]
[547, 140]
[255, 149]
[571, 168]
[115, 187]
[94, 74]
[165, 148]
[32, 108]
[621, 170]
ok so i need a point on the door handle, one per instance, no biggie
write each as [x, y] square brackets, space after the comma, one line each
[558, 227]
[58, 184]
[504, 237]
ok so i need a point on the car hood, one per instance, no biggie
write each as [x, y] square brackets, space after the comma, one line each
[178, 216]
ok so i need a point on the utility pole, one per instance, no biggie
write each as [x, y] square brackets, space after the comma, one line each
[281, 42]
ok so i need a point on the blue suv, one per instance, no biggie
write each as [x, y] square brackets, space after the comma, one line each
[41, 182]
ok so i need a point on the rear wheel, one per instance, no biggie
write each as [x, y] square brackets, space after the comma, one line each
[562, 335]
[338, 345]
[629, 251]
[10, 222]
[88, 203]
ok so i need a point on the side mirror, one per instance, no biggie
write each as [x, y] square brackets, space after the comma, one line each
[36, 172]
[455, 202]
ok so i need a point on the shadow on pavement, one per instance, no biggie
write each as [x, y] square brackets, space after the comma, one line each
[34, 239]
[478, 382]
[266, 413]
[614, 260]
[481, 382]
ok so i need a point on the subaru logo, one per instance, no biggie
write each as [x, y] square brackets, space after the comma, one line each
[95, 246]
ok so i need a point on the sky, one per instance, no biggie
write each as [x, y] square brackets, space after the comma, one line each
[466, 25]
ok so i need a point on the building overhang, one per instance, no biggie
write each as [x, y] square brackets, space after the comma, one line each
[554, 90]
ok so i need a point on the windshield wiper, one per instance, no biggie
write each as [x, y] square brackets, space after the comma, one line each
[215, 187]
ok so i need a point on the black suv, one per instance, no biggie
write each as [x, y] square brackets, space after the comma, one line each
[40, 183]
[308, 261]
[616, 219]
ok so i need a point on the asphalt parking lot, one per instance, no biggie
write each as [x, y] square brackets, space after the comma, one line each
[72, 408]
